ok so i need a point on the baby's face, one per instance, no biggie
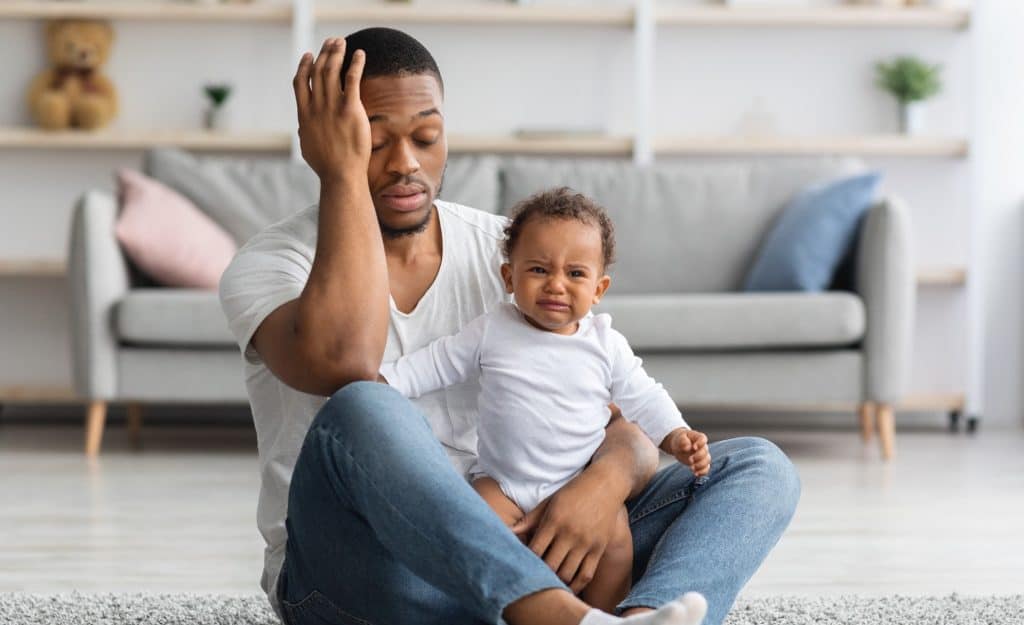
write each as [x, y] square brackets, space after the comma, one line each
[556, 272]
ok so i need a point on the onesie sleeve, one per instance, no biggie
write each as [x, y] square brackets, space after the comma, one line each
[641, 398]
[444, 362]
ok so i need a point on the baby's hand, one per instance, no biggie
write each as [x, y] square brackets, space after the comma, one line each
[689, 447]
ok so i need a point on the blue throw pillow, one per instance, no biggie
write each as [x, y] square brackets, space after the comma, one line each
[812, 235]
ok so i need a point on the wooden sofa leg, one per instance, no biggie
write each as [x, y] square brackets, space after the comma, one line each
[887, 430]
[135, 423]
[94, 421]
[867, 420]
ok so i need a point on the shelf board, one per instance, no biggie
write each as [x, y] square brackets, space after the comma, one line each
[837, 16]
[942, 277]
[154, 11]
[584, 145]
[41, 394]
[33, 267]
[840, 16]
[271, 141]
[880, 145]
[482, 14]
[869, 145]
[142, 139]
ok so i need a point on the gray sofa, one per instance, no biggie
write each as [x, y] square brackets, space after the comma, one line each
[687, 232]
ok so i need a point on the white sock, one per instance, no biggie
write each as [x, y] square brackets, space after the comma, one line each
[686, 610]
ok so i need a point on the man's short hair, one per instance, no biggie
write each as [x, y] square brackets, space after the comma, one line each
[389, 52]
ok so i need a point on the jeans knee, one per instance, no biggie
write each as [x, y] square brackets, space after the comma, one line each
[357, 404]
[777, 470]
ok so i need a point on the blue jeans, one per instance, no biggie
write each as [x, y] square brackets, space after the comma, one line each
[382, 529]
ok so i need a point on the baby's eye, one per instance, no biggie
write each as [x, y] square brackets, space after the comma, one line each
[537, 270]
[577, 273]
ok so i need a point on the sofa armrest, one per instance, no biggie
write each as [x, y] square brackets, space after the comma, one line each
[885, 279]
[97, 280]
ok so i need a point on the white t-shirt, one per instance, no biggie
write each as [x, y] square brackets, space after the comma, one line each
[544, 396]
[272, 268]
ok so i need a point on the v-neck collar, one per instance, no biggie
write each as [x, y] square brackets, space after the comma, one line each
[437, 278]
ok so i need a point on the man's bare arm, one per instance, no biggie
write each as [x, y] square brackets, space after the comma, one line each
[626, 455]
[335, 332]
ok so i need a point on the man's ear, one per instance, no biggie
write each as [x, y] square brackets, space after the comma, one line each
[602, 286]
[506, 275]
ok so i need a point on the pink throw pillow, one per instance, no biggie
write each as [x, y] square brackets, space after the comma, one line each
[167, 237]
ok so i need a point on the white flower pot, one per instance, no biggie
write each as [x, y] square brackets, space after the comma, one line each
[217, 118]
[912, 118]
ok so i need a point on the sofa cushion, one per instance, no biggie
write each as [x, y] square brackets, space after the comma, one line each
[812, 236]
[245, 195]
[472, 180]
[242, 195]
[167, 237]
[681, 226]
[165, 316]
[730, 321]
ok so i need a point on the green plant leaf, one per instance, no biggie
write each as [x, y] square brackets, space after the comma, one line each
[909, 79]
[217, 93]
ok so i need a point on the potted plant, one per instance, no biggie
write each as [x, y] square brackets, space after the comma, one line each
[215, 117]
[911, 81]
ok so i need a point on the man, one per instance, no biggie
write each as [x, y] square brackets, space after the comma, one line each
[364, 505]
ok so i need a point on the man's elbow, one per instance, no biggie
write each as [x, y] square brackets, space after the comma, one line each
[337, 370]
[361, 373]
[356, 368]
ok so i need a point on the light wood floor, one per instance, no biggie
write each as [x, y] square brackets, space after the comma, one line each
[946, 516]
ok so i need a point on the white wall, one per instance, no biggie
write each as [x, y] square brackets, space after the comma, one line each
[998, 200]
[499, 78]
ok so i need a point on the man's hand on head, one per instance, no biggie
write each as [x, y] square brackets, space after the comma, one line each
[334, 131]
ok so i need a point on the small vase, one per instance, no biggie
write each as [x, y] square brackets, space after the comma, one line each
[912, 118]
[215, 118]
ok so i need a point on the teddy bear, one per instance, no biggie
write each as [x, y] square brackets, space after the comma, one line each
[73, 92]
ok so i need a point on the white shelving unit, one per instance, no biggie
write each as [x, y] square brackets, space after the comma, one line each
[147, 11]
[877, 145]
[439, 13]
[141, 139]
[647, 20]
[850, 16]
[880, 145]
[644, 16]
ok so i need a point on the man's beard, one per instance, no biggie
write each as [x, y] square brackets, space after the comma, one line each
[397, 233]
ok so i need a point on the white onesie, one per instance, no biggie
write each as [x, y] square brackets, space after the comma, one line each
[544, 397]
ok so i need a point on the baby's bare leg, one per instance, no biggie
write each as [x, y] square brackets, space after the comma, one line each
[506, 509]
[613, 575]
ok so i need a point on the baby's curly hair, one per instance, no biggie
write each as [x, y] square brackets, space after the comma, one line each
[561, 203]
